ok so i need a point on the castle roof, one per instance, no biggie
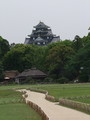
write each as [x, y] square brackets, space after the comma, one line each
[41, 35]
[39, 39]
[41, 25]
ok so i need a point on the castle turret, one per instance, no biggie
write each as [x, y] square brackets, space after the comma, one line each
[41, 35]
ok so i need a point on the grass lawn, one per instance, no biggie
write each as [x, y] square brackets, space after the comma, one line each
[77, 92]
[17, 111]
[12, 106]
[10, 96]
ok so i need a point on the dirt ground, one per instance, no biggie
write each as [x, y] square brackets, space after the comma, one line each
[53, 110]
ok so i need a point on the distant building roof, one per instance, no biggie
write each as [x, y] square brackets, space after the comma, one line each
[41, 35]
[41, 25]
[33, 72]
[39, 39]
[55, 39]
[50, 32]
[26, 41]
[10, 74]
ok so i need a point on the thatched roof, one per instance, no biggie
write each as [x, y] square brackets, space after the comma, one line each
[11, 74]
[33, 72]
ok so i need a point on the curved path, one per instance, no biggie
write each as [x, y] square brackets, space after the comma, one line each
[53, 110]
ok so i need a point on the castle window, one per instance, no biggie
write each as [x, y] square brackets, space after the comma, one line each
[38, 43]
[43, 43]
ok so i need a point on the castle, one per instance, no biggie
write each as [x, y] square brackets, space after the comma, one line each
[41, 35]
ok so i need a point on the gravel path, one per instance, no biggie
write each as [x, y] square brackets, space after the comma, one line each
[53, 110]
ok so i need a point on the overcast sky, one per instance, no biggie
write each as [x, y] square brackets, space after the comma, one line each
[66, 18]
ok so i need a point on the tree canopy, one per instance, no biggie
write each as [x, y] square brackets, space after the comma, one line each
[4, 47]
[62, 61]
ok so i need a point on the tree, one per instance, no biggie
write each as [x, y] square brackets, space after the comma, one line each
[39, 57]
[57, 58]
[1, 72]
[22, 57]
[80, 60]
[4, 47]
[86, 39]
[19, 58]
[77, 43]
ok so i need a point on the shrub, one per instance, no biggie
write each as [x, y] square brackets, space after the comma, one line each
[30, 80]
[62, 80]
[48, 80]
[83, 78]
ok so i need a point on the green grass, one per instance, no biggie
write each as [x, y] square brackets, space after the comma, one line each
[10, 96]
[77, 92]
[10, 93]
[17, 111]
[83, 100]
[12, 106]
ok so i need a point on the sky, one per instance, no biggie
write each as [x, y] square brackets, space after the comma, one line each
[67, 18]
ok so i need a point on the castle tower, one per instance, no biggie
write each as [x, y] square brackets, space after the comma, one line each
[41, 35]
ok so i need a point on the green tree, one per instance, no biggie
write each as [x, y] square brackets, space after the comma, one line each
[19, 58]
[80, 60]
[39, 57]
[77, 43]
[86, 39]
[57, 58]
[1, 72]
[22, 57]
[4, 47]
